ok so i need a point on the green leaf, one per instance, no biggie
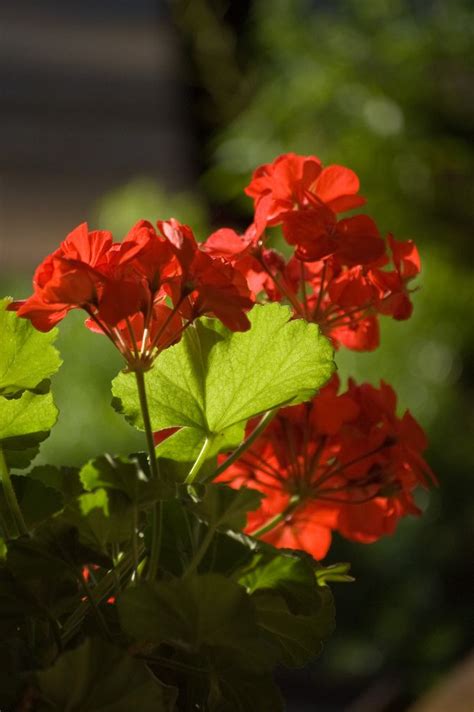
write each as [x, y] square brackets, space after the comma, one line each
[337, 573]
[37, 501]
[214, 380]
[297, 638]
[101, 517]
[30, 414]
[208, 615]
[181, 534]
[233, 692]
[127, 476]
[186, 443]
[24, 423]
[289, 576]
[99, 677]
[62, 479]
[27, 356]
[225, 508]
[54, 548]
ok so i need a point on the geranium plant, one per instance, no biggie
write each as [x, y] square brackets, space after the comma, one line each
[180, 577]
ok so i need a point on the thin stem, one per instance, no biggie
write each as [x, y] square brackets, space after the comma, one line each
[156, 534]
[200, 460]
[132, 338]
[10, 497]
[135, 542]
[321, 293]
[277, 519]
[95, 607]
[173, 664]
[156, 523]
[103, 590]
[338, 467]
[162, 328]
[140, 379]
[264, 421]
[201, 552]
[283, 287]
[303, 289]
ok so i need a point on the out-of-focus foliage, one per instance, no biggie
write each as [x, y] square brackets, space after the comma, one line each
[145, 198]
[384, 87]
[381, 86]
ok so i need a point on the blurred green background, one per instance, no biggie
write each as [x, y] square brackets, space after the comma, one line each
[385, 87]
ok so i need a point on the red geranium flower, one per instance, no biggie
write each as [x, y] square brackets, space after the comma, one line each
[342, 462]
[206, 285]
[294, 182]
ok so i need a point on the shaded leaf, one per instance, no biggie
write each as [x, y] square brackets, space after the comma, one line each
[207, 614]
[225, 508]
[37, 501]
[101, 517]
[127, 476]
[234, 692]
[62, 479]
[297, 638]
[99, 677]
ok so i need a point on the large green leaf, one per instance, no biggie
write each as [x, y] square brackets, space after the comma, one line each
[208, 615]
[214, 380]
[297, 638]
[99, 677]
[24, 423]
[30, 415]
[27, 356]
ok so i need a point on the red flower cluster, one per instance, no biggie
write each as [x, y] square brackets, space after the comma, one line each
[342, 274]
[342, 462]
[142, 292]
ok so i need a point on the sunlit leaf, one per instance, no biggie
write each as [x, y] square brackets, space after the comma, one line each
[27, 356]
[214, 380]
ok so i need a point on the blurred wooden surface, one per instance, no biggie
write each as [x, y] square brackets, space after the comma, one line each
[454, 693]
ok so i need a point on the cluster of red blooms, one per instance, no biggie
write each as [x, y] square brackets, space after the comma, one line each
[342, 463]
[142, 292]
[338, 275]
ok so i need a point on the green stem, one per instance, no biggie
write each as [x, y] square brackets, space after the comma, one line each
[277, 519]
[103, 590]
[140, 378]
[200, 553]
[156, 531]
[95, 607]
[173, 664]
[10, 497]
[201, 458]
[265, 420]
[156, 524]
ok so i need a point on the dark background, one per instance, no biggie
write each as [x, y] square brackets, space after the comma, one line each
[112, 110]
